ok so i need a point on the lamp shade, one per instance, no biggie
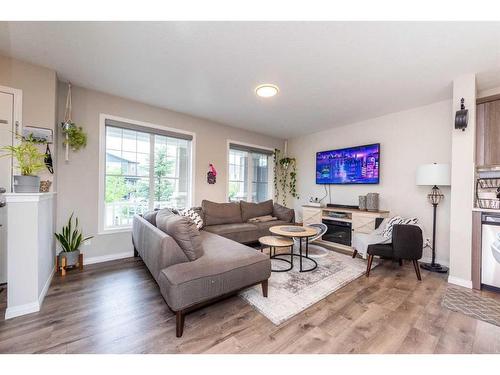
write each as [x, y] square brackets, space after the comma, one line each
[434, 174]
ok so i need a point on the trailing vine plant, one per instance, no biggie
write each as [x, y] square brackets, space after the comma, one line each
[285, 177]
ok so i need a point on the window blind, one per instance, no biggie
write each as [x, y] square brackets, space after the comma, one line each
[236, 146]
[145, 129]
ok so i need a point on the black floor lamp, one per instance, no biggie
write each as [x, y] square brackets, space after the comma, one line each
[434, 175]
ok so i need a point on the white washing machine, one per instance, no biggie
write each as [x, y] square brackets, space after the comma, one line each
[490, 263]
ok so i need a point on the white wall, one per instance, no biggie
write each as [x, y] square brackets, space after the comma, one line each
[78, 179]
[462, 184]
[408, 139]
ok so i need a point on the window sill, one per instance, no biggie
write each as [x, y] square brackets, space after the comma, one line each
[115, 230]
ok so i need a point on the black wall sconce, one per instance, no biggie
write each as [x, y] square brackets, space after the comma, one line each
[461, 117]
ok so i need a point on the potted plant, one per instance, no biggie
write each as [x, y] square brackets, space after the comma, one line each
[71, 238]
[29, 161]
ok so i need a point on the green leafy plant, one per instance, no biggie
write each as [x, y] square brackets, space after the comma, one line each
[285, 177]
[77, 138]
[71, 237]
[29, 159]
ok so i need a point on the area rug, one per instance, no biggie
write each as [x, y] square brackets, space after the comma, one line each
[292, 292]
[473, 305]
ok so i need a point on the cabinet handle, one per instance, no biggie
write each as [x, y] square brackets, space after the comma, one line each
[4, 122]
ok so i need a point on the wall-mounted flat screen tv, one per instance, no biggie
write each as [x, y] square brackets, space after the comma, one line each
[353, 165]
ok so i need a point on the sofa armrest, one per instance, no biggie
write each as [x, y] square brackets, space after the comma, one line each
[156, 248]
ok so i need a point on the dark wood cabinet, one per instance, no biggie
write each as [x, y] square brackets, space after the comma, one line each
[488, 133]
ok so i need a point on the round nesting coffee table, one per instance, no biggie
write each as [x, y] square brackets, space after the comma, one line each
[274, 242]
[299, 232]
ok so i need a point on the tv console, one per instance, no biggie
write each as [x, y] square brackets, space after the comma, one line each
[340, 219]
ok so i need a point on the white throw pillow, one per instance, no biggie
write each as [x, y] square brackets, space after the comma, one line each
[193, 215]
[398, 220]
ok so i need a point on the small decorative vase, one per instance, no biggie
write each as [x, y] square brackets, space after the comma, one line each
[372, 201]
[45, 186]
[362, 202]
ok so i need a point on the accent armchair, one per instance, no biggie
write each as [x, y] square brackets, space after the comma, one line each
[407, 243]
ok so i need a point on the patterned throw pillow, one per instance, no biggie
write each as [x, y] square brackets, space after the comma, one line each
[387, 233]
[193, 215]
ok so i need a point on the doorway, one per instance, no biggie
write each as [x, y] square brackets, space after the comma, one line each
[10, 120]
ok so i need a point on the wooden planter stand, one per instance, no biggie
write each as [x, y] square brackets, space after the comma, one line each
[63, 266]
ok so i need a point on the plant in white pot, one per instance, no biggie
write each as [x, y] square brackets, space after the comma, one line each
[29, 161]
[71, 238]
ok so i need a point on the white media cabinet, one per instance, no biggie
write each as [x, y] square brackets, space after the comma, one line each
[361, 221]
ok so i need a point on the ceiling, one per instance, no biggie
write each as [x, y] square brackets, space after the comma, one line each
[329, 73]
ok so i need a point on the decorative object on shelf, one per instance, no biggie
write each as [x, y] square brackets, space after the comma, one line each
[372, 201]
[48, 160]
[74, 136]
[461, 116]
[29, 161]
[71, 238]
[362, 202]
[434, 175]
[285, 176]
[211, 174]
[45, 186]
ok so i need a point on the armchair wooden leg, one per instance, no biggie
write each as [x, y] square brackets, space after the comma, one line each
[369, 265]
[136, 253]
[179, 323]
[400, 262]
[264, 288]
[417, 269]
[354, 253]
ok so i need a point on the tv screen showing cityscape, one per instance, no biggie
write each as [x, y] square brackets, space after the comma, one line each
[353, 165]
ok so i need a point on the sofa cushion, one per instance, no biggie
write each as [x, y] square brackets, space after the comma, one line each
[250, 210]
[283, 213]
[150, 216]
[184, 232]
[193, 215]
[239, 232]
[226, 266]
[221, 213]
[161, 217]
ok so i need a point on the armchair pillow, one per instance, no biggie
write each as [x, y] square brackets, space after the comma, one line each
[387, 232]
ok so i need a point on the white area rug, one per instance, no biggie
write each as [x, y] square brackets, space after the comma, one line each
[292, 292]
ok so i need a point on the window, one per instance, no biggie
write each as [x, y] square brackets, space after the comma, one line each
[145, 168]
[249, 174]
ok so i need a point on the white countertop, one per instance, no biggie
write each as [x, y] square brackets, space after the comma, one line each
[478, 209]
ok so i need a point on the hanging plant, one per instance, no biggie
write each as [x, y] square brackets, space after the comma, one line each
[75, 137]
[285, 177]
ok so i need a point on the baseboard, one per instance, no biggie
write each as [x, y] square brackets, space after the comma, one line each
[107, 258]
[460, 282]
[46, 287]
[28, 308]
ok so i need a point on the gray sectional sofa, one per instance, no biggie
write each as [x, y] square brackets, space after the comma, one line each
[196, 267]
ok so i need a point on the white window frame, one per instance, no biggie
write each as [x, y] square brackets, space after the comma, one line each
[102, 165]
[270, 177]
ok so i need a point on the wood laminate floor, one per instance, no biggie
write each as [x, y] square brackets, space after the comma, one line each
[116, 307]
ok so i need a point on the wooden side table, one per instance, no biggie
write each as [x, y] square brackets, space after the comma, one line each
[274, 242]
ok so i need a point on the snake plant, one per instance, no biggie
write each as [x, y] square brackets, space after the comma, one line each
[71, 237]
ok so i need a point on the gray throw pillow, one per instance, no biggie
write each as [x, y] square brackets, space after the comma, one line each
[250, 210]
[151, 217]
[283, 213]
[221, 213]
[183, 230]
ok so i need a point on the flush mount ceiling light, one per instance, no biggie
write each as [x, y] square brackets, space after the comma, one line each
[266, 90]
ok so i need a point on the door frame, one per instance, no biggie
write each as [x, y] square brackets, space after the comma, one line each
[17, 116]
